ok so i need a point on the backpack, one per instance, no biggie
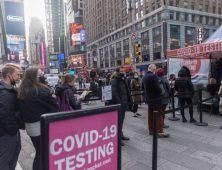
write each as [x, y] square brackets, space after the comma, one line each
[163, 87]
[64, 103]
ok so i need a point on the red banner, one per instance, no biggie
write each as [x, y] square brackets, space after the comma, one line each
[200, 50]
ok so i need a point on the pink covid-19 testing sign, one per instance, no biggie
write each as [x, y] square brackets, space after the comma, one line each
[84, 143]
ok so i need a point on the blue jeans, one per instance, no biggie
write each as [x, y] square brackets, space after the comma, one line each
[80, 85]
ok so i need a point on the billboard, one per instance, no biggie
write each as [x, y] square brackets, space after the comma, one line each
[82, 36]
[14, 18]
[75, 33]
[94, 144]
[75, 61]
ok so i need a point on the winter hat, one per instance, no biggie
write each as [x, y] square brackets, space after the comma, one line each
[160, 72]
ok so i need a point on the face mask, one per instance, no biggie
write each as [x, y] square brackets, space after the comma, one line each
[136, 77]
[13, 83]
[122, 75]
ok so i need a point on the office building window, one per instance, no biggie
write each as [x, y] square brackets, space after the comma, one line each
[141, 2]
[147, 10]
[185, 4]
[186, 17]
[143, 24]
[177, 16]
[219, 10]
[154, 19]
[214, 9]
[153, 6]
[171, 3]
[136, 5]
[145, 35]
[174, 43]
[190, 36]
[200, 7]
[206, 33]
[174, 29]
[159, 17]
[201, 19]
[190, 31]
[207, 6]
[177, 3]
[137, 16]
[207, 20]
[157, 31]
[141, 13]
[193, 18]
[192, 5]
[159, 4]
[171, 14]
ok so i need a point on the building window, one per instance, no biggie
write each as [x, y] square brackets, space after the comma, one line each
[137, 16]
[136, 5]
[141, 2]
[219, 10]
[185, 4]
[156, 43]
[154, 19]
[214, 21]
[159, 17]
[207, 6]
[147, 10]
[174, 43]
[190, 35]
[190, 31]
[200, 7]
[193, 18]
[143, 24]
[157, 56]
[177, 16]
[206, 33]
[171, 14]
[145, 47]
[145, 35]
[177, 3]
[153, 6]
[159, 4]
[186, 17]
[141, 13]
[214, 9]
[174, 29]
[192, 5]
[171, 3]
[201, 19]
[207, 20]
[157, 31]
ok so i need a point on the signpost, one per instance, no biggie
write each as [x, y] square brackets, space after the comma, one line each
[82, 140]
[137, 40]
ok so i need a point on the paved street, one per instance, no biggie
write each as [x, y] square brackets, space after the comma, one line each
[188, 148]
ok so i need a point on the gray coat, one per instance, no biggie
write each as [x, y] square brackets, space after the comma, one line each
[167, 90]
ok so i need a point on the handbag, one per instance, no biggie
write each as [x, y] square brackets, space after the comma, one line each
[64, 103]
[19, 120]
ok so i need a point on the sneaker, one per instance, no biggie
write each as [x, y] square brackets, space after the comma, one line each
[184, 120]
[165, 126]
[192, 120]
[163, 135]
[177, 113]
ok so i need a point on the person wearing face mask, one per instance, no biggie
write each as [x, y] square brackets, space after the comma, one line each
[35, 99]
[151, 86]
[10, 141]
[120, 93]
[67, 83]
[135, 92]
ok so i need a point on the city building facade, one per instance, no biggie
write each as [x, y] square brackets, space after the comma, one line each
[55, 24]
[159, 25]
[76, 34]
[36, 41]
[2, 36]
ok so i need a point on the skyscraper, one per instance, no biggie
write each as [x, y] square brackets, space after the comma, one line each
[160, 25]
[54, 23]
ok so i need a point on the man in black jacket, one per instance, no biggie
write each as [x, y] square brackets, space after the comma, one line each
[120, 93]
[10, 141]
[151, 86]
[185, 89]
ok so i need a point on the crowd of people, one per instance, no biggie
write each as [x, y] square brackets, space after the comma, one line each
[33, 98]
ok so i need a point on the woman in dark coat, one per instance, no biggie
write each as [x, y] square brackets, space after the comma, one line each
[185, 89]
[67, 83]
[35, 99]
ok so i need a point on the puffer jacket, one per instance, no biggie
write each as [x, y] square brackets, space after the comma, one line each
[8, 107]
[120, 92]
[183, 85]
[167, 90]
[75, 104]
[35, 104]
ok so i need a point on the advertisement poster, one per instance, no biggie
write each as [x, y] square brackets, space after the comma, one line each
[14, 18]
[75, 61]
[199, 68]
[84, 146]
[106, 93]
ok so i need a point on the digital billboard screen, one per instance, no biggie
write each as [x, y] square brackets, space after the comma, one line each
[14, 18]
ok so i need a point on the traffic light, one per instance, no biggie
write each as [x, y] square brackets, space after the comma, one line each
[140, 58]
[137, 52]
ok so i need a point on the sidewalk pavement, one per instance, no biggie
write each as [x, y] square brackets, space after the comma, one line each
[189, 147]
